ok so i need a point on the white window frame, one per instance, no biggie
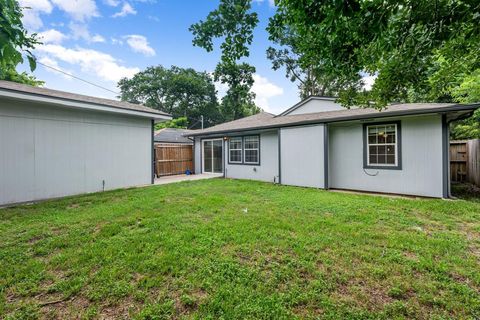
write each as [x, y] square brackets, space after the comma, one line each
[245, 149]
[395, 144]
[230, 150]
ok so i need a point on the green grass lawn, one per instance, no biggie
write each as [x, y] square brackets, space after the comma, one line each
[238, 249]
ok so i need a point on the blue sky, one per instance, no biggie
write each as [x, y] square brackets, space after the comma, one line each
[105, 40]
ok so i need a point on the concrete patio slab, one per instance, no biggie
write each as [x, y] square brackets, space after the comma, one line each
[184, 177]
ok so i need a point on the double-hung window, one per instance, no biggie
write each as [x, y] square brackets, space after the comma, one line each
[244, 150]
[382, 146]
[235, 149]
[251, 149]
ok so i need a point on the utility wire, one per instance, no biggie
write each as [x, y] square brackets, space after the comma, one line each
[193, 124]
[75, 77]
[93, 84]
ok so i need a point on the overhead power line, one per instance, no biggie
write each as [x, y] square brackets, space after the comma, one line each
[75, 77]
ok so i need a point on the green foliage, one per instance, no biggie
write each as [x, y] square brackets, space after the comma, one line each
[189, 250]
[233, 22]
[178, 123]
[312, 78]
[408, 44]
[238, 101]
[468, 91]
[177, 91]
[14, 40]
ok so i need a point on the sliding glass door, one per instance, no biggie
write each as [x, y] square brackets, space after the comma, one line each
[212, 156]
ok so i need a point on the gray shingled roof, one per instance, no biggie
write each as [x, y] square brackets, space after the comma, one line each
[172, 135]
[265, 120]
[50, 93]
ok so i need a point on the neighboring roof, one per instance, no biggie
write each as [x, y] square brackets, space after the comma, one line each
[268, 121]
[172, 135]
[33, 92]
[256, 120]
[304, 101]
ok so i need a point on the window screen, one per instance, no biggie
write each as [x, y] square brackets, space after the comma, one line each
[382, 146]
[251, 145]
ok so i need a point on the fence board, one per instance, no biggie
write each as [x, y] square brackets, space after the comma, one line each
[173, 159]
[473, 168]
[465, 161]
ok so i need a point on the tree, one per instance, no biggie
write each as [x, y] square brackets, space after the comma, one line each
[408, 44]
[15, 40]
[178, 123]
[313, 81]
[234, 23]
[467, 92]
[180, 92]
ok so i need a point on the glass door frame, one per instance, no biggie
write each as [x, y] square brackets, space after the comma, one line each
[203, 156]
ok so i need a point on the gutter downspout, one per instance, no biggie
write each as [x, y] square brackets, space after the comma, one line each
[193, 154]
[153, 152]
[279, 155]
[325, 156]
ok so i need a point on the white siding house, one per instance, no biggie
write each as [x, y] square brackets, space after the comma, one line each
[55, 144]
[317, 143]
[421, 155]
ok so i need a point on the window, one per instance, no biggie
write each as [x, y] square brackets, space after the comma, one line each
[382, 143]
[251, 147]
[235, 149]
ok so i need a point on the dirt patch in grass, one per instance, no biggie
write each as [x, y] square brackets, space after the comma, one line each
[410, 256]
[71, 308]
[370, 296]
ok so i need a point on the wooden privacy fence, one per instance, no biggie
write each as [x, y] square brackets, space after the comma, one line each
[465, 161]
[173, 159]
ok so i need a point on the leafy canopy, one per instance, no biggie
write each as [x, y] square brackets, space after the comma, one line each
[178, 91]
[410, 45]
[178, 123]
[233, 22]
[310, 76]
[14, 40]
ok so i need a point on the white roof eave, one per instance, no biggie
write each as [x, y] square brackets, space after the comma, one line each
[81, 105]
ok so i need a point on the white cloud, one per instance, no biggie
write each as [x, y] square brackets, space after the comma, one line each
[116, 41]
[126, 10]
[79, 10]
[368, 81]
[139, 44]
[98, 38]
[271, 3]
[99, 64]
[80, 31]
[32, 10]
[112, 3]
[51, 36]
[221, 88]
[264, 90]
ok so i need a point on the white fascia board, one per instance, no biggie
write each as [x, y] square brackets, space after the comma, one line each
[81, 105]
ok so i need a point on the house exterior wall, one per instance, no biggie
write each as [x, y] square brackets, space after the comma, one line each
[49, 151]
[316, 105]
[267, 170]
[302, 156]
[421, 152]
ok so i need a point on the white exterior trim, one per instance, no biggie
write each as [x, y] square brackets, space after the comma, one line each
[79, 105]
[395, 144]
